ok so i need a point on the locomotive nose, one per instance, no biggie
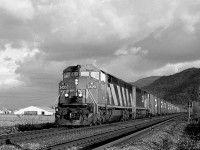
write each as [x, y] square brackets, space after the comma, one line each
[73, 96]
[73, 99]
[71, 92]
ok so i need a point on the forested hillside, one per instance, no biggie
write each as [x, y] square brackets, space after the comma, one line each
[179, 88]
[145, 81]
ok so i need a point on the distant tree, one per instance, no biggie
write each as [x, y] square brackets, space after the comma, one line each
[179, 88]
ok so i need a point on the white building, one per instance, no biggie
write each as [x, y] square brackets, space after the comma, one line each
[35, 110]
[1, 112]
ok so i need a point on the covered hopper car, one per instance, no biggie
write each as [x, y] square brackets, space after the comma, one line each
[88, 95]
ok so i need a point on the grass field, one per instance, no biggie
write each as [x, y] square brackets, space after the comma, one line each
[11, 120]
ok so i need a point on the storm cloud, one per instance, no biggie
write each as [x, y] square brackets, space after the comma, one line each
[130, 39]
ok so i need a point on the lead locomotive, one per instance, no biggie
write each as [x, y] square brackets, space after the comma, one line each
[88, 95]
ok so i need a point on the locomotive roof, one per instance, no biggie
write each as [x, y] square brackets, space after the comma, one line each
[90, 67]
[71, 68]
[82, 67]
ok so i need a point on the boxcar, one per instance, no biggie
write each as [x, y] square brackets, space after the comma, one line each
[159, 106]
[162, 108]
[152, 105]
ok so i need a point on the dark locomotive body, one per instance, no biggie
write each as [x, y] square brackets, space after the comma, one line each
[88, 95]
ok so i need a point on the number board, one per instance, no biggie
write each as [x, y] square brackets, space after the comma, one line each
[63, 87]
[91, 85]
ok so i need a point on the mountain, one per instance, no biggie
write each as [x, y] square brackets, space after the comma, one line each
[145, 81]
[179, 88]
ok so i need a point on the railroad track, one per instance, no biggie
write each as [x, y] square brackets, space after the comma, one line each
[90, 142]
[134, 136]
[85, 140]
[23, 136]
[39, 134]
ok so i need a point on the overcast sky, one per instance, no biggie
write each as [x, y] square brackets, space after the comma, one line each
[130, 39]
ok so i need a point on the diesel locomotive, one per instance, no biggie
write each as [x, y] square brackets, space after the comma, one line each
[90, 96]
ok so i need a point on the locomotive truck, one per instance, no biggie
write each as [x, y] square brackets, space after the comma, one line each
[90, 96]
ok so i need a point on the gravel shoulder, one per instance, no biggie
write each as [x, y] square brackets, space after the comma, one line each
[165, 137]
[60, 138]
[171, 136]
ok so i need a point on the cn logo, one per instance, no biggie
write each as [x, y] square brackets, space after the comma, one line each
[91, 85]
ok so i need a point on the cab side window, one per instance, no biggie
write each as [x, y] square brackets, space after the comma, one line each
[95, 75]
[103, 77]
[85, 74]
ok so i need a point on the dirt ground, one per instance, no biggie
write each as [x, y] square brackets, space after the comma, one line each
[11, 120]
[167, 137]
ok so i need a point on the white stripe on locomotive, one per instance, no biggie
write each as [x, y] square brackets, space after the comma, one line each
[120, 96]
[124, 97]
[132, 103]
[86, 94]
[109, 96]
[114, 94]
[128, 99]
[125, 102]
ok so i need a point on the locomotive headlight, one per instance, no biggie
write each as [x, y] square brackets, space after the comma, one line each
[80, 94]
[66, 95]
[56, 109]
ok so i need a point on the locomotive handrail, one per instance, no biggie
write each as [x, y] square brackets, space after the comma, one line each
[58, 97]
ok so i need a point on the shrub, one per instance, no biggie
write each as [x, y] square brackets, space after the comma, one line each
[190, 138]
[30, 127]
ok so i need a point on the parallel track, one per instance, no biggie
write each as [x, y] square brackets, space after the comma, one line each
[89, 142]
[133, 136]
[113, 130]
[23, 136]
[38, 134]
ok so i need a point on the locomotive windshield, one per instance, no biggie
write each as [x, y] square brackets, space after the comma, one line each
[72, 71]
[70, 74]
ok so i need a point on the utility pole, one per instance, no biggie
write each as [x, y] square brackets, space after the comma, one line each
[188, 98]
[189, 112]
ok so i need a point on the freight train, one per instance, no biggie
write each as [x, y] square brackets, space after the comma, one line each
[90, 96]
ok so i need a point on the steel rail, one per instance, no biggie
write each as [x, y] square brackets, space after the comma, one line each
[36, 134]
[42, 134]
[7, 138]
[90, 141]
[112, 143]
